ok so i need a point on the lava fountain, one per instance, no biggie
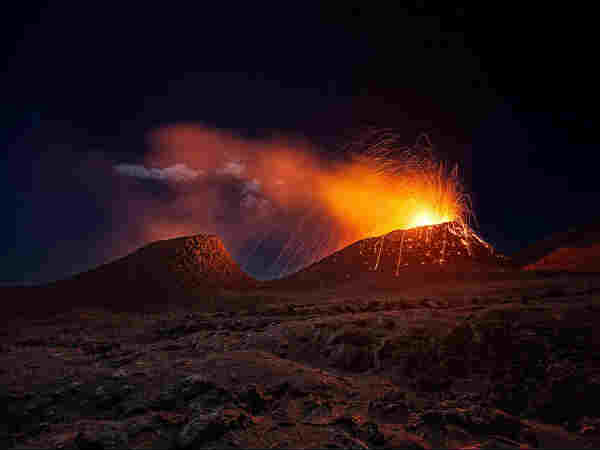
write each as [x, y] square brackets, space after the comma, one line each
[386, 187]
[383, 187]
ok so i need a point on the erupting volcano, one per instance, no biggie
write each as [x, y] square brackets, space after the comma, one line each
[440, 248]
[389, 187]
[405, 209]
[379, 186]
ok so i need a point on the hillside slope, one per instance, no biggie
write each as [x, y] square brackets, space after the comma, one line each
[162, 272]
[429, 249]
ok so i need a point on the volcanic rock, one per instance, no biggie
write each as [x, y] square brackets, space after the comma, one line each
[350, 357]
[209, 425]
[202, 426]
[106, 435]
[254, 398]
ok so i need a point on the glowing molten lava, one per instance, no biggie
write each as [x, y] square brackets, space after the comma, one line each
[370, 203]
[426, 217]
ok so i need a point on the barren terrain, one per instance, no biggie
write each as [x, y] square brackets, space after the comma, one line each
[510, 363]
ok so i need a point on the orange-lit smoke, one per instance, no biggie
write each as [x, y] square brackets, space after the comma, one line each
[371, 203]
[311, 197]
[363, 199]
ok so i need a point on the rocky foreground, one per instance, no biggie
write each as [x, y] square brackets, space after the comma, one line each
[512, 364]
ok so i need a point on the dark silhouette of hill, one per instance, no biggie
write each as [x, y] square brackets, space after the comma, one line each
[572, 259]
[577, 250]
[402, 255]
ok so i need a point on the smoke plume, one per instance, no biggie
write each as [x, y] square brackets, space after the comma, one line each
[276, 203]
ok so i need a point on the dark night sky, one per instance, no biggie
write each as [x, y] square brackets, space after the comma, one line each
[509, 94]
